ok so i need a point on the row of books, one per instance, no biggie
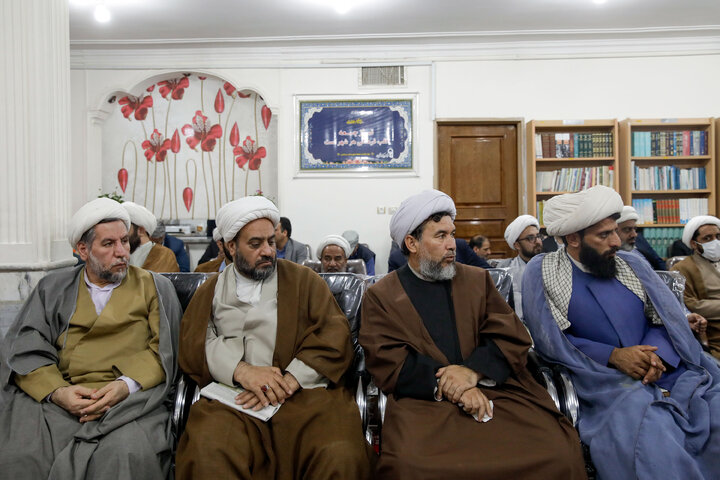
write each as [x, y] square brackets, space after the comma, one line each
[660, 239]
[573, 145]
[684, 143]
[673, 210]
[573, 179]
[668, 177]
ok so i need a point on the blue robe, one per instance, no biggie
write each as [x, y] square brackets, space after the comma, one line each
[633, 431]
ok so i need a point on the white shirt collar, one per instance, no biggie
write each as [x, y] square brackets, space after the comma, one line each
[247, 290]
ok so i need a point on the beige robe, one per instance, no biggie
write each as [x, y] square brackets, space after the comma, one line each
[422, 439]
[161, 259]
[316, 434]
[96, 349]
[702, 294]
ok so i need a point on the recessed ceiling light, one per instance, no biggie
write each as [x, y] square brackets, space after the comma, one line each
[102, 14]
[341, 6]
[599, 1]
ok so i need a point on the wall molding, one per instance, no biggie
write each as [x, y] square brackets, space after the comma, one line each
[195, 56]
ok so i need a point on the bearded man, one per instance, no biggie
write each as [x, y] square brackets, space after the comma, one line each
[143, 251]
[273, 328]
[632, 240]
[333, 253]
[451, 355]
[219, 263]
[649, 396]
[88, 365]
[522, 235]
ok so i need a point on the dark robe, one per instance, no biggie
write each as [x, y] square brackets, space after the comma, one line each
[316, 434]
[408, 331]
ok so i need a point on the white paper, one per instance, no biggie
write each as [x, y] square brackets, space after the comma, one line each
[226, 394]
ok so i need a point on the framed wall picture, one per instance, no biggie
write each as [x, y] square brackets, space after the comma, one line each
[356, 136]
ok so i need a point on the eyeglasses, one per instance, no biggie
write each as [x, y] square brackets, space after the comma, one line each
[531, 238]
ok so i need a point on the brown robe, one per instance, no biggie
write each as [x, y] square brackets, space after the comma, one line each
[702, 295]
[422, 439]
[210, 266]
[316, 434]
[161, 259]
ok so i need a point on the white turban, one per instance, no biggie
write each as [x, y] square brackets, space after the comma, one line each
[695, 223]
[352, 237]
[216, 234]
[233, 216]
[415, 210]
[572, 212]
[93, 213]
[513, 231]
[334, 240]
[628, 213]
[141, 216]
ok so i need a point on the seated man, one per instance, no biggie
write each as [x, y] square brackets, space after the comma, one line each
[360, 250]
[219, 263]
[463, 254]
[649, 396]
[449, 352]
[288, 248]
[143, 252]
[333, 253]
[632, 240]
[702, 274]
[481, 246]
[279, 334]
[173, 243]
[89, 363]
[522, 235]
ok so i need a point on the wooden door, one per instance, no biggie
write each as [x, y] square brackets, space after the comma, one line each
[478, 168]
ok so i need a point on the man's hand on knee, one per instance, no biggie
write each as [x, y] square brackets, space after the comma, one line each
[266, 383]
[73, 398]
[454, 380]
[636, 361]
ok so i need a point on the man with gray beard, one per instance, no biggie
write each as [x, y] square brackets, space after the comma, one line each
[449, 352]
[89, 363]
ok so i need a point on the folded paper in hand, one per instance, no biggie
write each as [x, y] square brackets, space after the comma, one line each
[226, 394]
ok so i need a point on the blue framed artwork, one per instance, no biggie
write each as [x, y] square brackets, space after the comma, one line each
[356, 136]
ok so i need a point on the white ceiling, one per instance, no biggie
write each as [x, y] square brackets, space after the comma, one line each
[401, 22]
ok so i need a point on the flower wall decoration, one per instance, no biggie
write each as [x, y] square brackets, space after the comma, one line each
[211, 116]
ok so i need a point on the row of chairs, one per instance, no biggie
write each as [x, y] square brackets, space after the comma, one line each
[348, 290]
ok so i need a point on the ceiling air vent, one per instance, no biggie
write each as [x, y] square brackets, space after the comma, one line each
[374, 76]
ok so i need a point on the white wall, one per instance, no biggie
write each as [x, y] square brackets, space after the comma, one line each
[639, 87]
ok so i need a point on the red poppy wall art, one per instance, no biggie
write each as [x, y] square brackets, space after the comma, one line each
[202, 141]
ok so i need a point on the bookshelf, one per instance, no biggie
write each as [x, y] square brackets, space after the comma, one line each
[667, 169]
[569, 155]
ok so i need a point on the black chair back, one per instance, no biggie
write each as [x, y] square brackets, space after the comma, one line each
[348, 290]
[504, 284]
[186, 284]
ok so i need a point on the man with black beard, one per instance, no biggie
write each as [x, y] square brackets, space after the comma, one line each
[451, 354]
[522, 235]
[273, 328]
[638, 371]
[90, 362]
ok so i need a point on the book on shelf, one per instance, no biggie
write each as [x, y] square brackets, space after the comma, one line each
[573, 145]
[660, 239]
[574, 179]
[671, 210]
[668, 177]
[685, 143]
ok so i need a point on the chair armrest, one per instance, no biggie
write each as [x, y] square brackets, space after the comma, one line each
[543, 374]
[570, 403]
